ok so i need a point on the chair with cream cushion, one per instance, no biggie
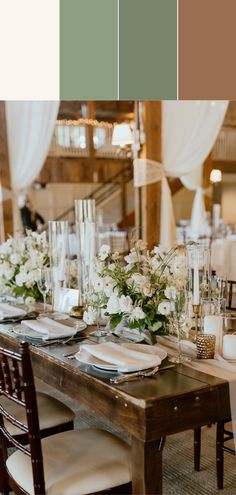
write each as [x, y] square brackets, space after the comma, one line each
[68, 463]
[54, 416]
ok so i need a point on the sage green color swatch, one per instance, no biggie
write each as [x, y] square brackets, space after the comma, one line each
[148, 49]
[88, 49]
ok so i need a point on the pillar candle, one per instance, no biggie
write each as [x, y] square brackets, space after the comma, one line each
[214, 325]
[229, 346]
[196, 297]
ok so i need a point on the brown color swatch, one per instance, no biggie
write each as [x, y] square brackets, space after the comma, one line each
[207, 47]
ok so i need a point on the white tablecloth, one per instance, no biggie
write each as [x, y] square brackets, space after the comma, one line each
[223, 257]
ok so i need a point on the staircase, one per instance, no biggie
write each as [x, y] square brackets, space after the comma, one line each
[106, 191]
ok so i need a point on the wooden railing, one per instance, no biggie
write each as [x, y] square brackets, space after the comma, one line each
[84, 138]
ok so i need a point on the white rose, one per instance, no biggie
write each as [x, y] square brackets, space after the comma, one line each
[126, 304]
[170, 292]
[137, 314]
[104, 252]
[133, 257]
[113, 305]
[15, 258]
[164, 308]
[21, 278]
[90, 316]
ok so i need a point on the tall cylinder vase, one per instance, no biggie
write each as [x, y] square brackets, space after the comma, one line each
[58, 233]
[85, 218]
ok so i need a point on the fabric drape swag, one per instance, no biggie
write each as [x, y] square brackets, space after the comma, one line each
[189, 131]
[30, 127]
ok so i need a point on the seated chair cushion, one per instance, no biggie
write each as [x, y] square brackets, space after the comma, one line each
[51, 413]
[76, 462]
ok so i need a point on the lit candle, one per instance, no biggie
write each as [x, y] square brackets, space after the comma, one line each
[196, 296]
[214, 325]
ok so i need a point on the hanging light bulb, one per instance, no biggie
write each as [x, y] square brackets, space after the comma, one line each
[216, 175]
[122, 135]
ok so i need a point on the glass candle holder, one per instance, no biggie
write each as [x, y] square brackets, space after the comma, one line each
[198, 272]
[205, 346]
[58, 233]
[85, 217]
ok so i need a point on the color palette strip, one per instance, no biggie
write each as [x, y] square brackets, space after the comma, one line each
[117, 49]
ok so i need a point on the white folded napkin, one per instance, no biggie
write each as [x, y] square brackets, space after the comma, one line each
[49, 329]
[125, 359]
[8, 311]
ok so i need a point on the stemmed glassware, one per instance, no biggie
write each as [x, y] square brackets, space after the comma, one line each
[44, 286]
[219, 294]
[178, 319]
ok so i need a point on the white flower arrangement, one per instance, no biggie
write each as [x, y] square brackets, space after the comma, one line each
[138, 289]
[21, 259]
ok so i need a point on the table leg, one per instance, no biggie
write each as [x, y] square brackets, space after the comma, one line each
[147, 467]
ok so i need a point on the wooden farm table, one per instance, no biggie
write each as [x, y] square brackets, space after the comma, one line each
[148, 409]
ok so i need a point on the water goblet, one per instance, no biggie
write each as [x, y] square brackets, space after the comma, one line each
[44, 286]
[219, 294]
[178, 319]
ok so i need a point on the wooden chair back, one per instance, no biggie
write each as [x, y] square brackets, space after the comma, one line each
[17, 385]
[231, 293]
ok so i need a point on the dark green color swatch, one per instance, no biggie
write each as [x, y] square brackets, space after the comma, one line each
[88, 49]
[148, 49]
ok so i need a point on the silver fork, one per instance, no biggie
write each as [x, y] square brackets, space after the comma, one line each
[138, 374]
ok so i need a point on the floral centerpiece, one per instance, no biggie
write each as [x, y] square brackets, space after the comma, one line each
[138, 289]
[21, 259]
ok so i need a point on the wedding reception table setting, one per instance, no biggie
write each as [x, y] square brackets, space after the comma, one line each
[142, 339]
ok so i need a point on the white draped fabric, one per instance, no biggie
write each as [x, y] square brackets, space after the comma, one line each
[30, 126]
[189, 131]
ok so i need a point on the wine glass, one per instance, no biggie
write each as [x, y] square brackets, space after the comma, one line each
[178, 317]
[44, 285]
[219, 293]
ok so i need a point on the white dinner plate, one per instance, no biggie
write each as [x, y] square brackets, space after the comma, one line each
[85, 358]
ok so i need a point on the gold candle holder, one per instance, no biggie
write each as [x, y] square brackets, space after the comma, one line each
[77, 311]
[205, 346]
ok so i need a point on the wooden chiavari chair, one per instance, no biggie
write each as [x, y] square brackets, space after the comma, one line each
[73, 461]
